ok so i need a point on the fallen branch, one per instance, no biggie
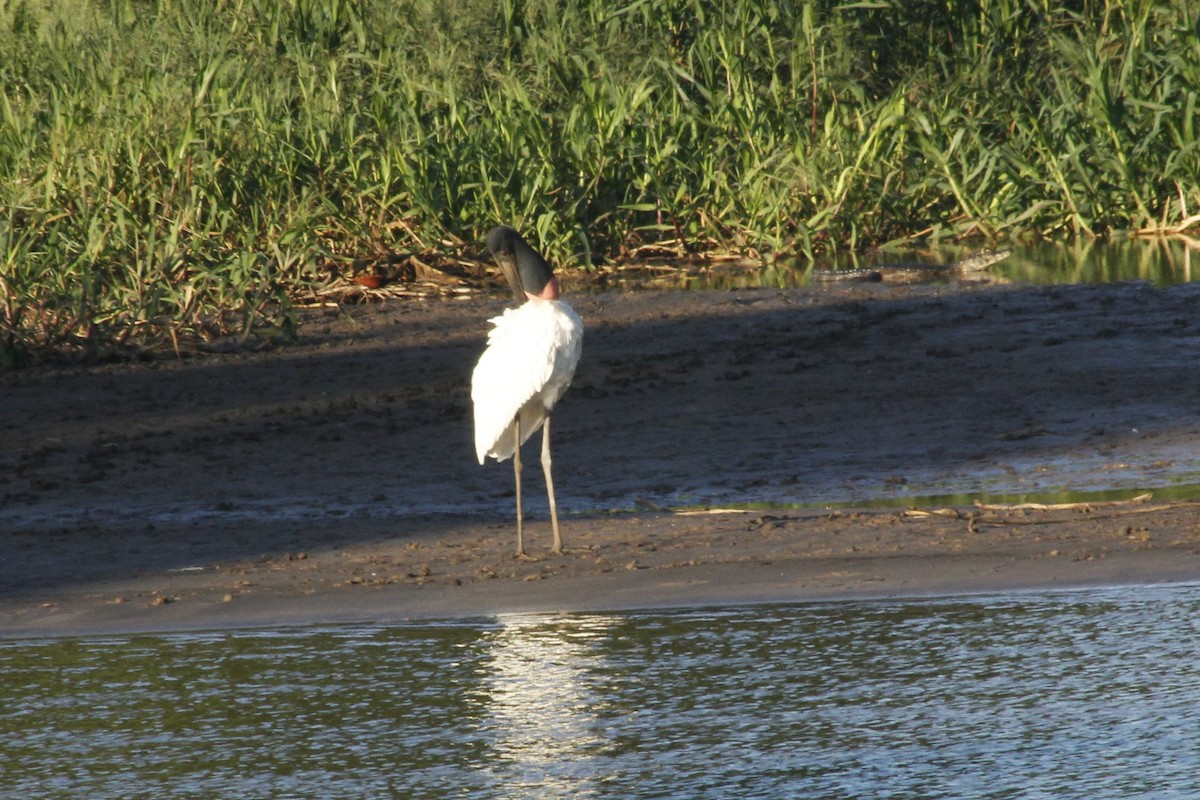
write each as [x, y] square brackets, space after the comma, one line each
[1109, 513]
[952, 513]
[1183, 226]
[1141, 498]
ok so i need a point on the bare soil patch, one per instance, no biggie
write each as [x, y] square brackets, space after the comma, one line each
[334, 478]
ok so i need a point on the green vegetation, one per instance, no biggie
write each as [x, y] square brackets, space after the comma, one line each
[183, 168]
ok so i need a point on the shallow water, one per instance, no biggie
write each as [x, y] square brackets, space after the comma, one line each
[1087, 694]
[1162, 262]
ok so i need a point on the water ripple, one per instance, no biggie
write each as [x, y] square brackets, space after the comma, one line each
[1084, 694]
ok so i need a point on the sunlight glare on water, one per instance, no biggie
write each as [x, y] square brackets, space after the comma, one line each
[542, 668]
[1088, 694]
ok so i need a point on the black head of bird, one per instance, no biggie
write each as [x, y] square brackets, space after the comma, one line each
[526, 271]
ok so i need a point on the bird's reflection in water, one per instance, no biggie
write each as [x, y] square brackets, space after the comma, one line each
[541, 704]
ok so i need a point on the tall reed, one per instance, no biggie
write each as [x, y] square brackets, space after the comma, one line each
[181, 169]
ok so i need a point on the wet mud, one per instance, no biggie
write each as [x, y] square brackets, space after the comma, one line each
[343, 464]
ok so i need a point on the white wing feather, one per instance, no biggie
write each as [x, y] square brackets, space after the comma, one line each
[528, 364]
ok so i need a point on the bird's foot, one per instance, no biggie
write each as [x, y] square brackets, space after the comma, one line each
[523, 556]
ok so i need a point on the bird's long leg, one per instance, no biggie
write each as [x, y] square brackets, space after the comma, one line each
[557, 548]
[517, 475]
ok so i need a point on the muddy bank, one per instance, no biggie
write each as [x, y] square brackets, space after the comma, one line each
[143, 494]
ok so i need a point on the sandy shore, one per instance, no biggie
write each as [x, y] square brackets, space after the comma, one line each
[334, 479]
[629, 563]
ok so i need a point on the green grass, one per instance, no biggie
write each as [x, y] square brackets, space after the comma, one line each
[183, 168]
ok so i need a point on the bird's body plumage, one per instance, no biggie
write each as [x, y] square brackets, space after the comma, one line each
[529, 362]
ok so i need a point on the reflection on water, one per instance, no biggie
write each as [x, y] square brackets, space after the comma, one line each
[1159, 261]
[540, 704]
[1087, 694]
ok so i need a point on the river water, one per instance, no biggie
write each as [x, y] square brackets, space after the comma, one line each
[1088, 694]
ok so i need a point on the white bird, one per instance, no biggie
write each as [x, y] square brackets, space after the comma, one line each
[528, 364]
